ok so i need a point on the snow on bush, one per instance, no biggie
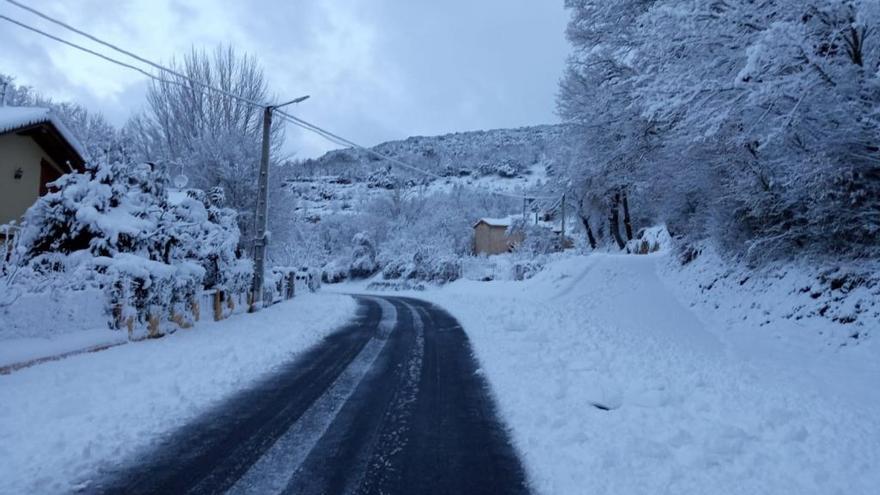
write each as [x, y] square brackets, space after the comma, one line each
[363, 257]
[424, 266]
[538, 239]
[114, 228]
[650, 240]
[335, 271]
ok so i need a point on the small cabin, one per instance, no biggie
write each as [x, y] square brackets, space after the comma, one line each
[491, 236]
[35, 149]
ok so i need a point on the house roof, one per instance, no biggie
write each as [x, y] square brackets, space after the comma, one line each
[13, 119]
[495, 222]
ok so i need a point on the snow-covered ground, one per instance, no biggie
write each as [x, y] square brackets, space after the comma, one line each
[695, 404]
[76, 322]
[62, 419]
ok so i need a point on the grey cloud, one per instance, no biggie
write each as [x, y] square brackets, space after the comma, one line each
[377, 69]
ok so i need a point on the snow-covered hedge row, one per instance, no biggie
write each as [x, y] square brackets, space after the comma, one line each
[116, 228]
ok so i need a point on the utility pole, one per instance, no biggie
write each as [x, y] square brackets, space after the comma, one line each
[562, 239]
[262, 215]
[3, 94]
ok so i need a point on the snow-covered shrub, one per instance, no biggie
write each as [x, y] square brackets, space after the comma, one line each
[397, 268]
[335, 271]
[382, 179]
[524, 269]
[425, 266]
[536, 239]
[206, 231]
[430, 267]
[649, 240]
[446, 269]
[115, 228]
[312, 278]
[363, 257]
[506, 170]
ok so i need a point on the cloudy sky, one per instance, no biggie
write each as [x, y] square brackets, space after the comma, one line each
[376, 69]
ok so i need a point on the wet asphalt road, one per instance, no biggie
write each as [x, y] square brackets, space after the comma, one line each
[393, 403]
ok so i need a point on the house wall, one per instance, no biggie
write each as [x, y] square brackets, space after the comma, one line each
[16, 196]
[490, 239]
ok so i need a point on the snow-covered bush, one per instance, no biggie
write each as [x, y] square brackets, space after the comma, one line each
[115, 228]
[382, 179]
[649, 240]
[397, 268]
[363, 257]
[524, 269]
[425, 266]
[335, 271]
[537, 239]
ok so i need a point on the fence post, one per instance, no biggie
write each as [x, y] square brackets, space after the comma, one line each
[195, 307]
[152, 325]
[218, 305]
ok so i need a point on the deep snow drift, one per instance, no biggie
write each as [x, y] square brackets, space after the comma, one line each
[60, 421]
[613, 384]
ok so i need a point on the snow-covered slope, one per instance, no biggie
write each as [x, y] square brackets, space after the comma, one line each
[501, 152]
[503, 160]
[613, 384]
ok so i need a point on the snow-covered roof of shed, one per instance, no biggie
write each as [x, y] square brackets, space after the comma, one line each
[496, 222]
[15, 118]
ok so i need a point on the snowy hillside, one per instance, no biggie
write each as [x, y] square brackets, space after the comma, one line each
[327, 201]
[505, 153]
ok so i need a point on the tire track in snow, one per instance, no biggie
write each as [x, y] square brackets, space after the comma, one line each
[272, 472]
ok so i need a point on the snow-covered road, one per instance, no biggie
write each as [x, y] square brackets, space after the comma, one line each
[391, 403]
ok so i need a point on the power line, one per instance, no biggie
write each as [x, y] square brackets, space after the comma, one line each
[78, 47]
[101, 56]
[330, 136]
[124, 52]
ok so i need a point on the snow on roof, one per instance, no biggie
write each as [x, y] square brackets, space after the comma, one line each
[496, 222]
[14, 118]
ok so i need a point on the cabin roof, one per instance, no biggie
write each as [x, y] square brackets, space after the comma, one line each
[495, 222]
[16, 119]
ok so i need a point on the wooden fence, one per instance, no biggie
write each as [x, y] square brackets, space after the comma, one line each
[208, 303]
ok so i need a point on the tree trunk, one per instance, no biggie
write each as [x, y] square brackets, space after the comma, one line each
[627, 221]
[590, 237]
[614, 221]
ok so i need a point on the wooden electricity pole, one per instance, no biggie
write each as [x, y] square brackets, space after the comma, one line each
[262, 214]
[562, 238]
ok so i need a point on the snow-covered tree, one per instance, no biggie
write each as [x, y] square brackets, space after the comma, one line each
[753, 123]
[212, 138]
[596, 93]
[116, 228]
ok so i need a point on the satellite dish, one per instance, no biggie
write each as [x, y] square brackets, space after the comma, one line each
[181, 181]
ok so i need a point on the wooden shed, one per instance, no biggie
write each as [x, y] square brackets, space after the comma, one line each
[491, 236]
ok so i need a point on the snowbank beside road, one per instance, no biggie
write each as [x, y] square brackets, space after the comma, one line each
[612, 385]
[62, 420]
[72, 312]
